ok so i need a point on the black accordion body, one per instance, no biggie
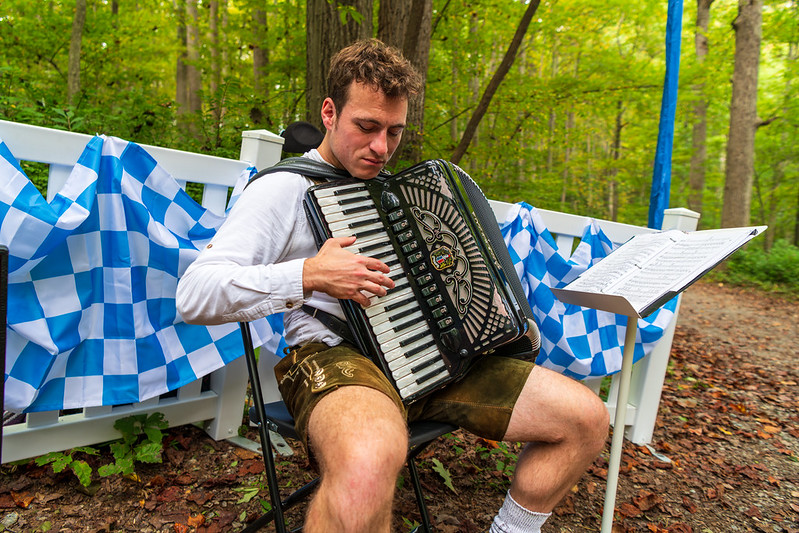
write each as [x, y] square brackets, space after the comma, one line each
[456, 294]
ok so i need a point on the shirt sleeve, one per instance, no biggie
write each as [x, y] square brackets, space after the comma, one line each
[248, 270]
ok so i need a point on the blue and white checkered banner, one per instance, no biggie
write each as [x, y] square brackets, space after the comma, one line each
[92, 280]
[575, 341]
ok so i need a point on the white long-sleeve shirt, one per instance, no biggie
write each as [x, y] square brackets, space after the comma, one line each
[253, 265]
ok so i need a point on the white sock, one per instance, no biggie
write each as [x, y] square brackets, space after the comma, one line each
[513, 518]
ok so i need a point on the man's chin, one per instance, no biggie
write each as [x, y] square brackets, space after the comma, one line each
[367, 172]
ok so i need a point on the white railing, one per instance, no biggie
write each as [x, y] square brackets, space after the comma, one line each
[217, 401]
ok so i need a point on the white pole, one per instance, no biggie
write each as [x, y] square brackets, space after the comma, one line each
[618, 425]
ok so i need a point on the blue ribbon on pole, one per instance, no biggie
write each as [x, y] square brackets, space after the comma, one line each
[661, 175]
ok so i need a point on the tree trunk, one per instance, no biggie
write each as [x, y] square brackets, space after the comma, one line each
[613, 187]
[260, 66]
[193, 55]
[73, 75]
[495, 82]
[326, 35]
[743, 115]
[408, 26]
[181, 68]
[696, 174]
[216, 65]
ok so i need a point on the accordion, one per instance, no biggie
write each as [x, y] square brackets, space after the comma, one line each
[456, 294]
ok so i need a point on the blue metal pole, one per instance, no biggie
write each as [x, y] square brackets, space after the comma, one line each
[661, 176]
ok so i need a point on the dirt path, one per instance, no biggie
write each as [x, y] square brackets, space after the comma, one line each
[727, 424]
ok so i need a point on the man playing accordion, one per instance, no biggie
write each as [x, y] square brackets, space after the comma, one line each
[264, 260]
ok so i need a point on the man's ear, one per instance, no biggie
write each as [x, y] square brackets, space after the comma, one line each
[328, 113]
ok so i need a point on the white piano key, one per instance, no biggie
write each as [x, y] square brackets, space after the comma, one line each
[416, 387]
[411, 378]
[390, 337]
[334, 209]
[393, 350]
[389, 325]
[340, 220]
[380, 317]
[335, 200]
[401, 366]
[379, 302]
[338, 191]
[348, 231]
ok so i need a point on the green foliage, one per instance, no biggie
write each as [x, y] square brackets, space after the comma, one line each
[774, 270]
[573, 127]
[141, 441]
[443, 471]
[60, 461]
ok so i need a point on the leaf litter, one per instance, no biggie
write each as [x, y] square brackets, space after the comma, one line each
[724, 456]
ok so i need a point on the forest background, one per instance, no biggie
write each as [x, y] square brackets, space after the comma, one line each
[553, 102]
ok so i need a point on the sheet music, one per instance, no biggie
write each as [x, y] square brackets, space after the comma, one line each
[624, 262]
[651, 266]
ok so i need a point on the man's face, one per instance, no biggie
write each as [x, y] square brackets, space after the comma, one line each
[362, 136]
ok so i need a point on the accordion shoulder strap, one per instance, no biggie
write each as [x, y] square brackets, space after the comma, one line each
[315, 170]
[332, 322]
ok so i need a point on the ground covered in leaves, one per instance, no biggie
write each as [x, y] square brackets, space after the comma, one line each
[726, 454]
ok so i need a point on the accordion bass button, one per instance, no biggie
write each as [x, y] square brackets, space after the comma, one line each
[389, 201]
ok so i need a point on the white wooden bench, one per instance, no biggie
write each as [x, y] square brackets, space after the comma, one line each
[219, 405]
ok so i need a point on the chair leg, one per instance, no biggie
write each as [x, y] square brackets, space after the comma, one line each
[291, 500]
[417, 489]
[263, 431]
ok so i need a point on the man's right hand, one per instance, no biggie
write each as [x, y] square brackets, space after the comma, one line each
[345, 275]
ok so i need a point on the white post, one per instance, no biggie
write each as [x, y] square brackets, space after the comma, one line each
[262, 148]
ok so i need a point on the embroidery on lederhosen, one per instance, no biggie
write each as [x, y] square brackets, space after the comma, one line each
[311, 373]
[347, 368]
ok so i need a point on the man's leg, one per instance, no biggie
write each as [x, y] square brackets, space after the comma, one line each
[360, 440]
[565, 426]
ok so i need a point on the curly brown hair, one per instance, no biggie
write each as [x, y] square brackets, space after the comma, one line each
[373, 63]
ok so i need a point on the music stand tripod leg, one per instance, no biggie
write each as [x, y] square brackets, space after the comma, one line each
[618, 424]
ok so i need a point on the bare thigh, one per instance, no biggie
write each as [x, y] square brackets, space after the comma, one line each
[353, 422]
[551, 405]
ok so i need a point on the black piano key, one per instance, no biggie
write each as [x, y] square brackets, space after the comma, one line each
[366, 233]
[365, 222]
[404, 325]
[361, 209]
[413, 351]
[371, 247]
[397, 305]
[403, 314]
[422, 366]
[354, 200]
[424, 377]
[417, 337]
[349, 190]
[383, 254]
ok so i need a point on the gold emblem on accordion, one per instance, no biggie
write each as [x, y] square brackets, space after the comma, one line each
[442, 258]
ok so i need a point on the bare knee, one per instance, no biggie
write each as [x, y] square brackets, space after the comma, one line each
[593, 423]
[357, 488]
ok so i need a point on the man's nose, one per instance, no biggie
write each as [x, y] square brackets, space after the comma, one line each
[379, 144]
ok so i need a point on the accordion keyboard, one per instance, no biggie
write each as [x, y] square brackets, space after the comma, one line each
[407, 344]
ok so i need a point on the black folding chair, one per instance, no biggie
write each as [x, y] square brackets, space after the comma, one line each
[3, 316]
[280, 421]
